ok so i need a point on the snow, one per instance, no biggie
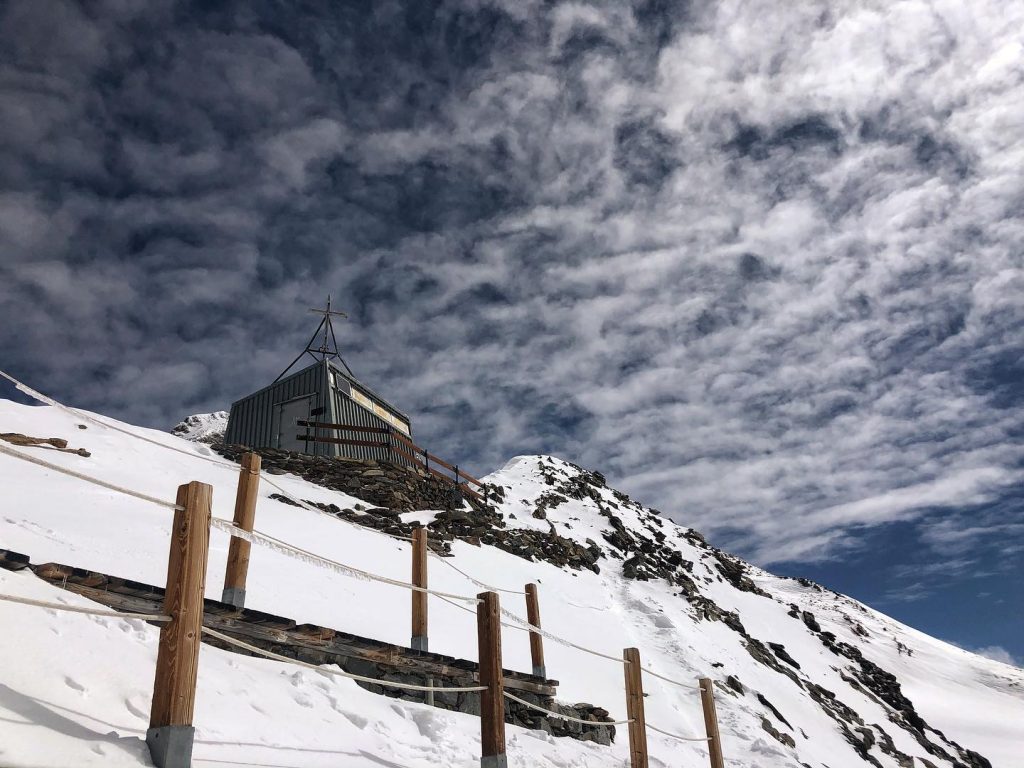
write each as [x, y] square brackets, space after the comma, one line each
[75, 690]
[202, 427]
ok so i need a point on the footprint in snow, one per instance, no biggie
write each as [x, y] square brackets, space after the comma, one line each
[358, 721]
[137, 705]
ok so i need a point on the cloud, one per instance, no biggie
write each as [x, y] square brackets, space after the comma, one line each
[998, 653]
[759, 264]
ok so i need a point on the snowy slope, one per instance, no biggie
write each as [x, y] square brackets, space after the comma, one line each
[203, 427]
[75, 690]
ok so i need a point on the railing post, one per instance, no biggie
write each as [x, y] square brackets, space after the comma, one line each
[245, 516]
[707, 701]
[492, 700]
[536, 640]
[635, 708]
[170, 733]
[419, 599]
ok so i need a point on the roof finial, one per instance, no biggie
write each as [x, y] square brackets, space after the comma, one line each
[329, 344]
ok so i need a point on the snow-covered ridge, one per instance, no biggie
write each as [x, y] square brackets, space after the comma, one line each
[804, 676]
[202, 427]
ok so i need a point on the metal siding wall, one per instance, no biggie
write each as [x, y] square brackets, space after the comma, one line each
[251, 421]
[348, 411]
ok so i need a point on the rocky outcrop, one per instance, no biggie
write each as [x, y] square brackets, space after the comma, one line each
[390, 489]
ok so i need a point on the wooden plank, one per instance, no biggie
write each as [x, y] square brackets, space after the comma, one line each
[419, 599]
[707, 700]
[536, 640]
[406, 454]
[492, 700]
[635, 708]
[239, 550]
[404, 439]
[344, 427]
[342, 441]
[284, 632]
[177, 663]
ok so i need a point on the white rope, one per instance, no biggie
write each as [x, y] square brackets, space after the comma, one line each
[89, 611]
[555, 638]
[481, 584]
[281, 547]
[565, 717]
[340, 672]
[87, 478]
[677, 736]
[26, 389]
[670, 680]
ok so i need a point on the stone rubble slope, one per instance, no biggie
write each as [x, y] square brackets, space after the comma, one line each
[825, 650]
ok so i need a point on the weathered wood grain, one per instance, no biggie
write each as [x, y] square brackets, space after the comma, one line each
[177, 664]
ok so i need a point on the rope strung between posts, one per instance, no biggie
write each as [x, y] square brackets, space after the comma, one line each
[26, 389]
[482, 584]
[339, 672]
[87, 478]
[281, 547]
[230, 466]
[564, 717]
[521, 622]
[677, 736]
[670, 680]
[305, 556]
[88, 611]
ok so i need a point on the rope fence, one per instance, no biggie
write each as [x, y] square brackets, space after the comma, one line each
[269, 542]
[87, 478]
[570, 718]
[177, 662]
[678, 737]
[78, 609]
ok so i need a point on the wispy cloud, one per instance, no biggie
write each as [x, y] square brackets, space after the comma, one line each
[759, 263]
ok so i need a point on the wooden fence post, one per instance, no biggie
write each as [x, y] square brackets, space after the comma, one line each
[536, 640]
[170, 733]
[707, 701]
[245, 516]
[492, 700]
[635, 708]
[419, 599]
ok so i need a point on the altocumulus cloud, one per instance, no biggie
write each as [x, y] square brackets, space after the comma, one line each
[760, 262]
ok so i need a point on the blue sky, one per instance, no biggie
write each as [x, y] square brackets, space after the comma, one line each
[761, 264]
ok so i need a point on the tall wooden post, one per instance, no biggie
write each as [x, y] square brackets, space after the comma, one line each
[536, 640]
[419, 599]
[635, 708]
[707, 701]
[245, 516]
[492, 700]
[170, 733]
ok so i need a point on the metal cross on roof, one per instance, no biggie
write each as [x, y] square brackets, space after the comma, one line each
[329, 344]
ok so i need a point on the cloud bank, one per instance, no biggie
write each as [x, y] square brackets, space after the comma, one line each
[761, 264]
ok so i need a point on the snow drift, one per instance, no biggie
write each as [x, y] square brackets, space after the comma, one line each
[804, 676]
